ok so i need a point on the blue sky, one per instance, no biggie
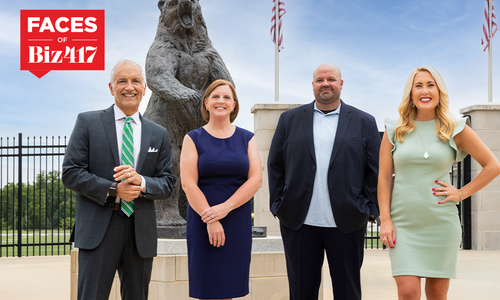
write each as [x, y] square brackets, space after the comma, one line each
[375, 43]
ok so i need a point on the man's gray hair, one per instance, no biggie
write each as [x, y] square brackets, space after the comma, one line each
[121, 62]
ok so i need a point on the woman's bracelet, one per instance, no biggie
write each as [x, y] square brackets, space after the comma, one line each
[460, 195]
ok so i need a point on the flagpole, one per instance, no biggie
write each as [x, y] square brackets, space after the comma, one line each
[490, 65]
[276, 52]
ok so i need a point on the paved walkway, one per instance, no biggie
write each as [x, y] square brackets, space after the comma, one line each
[48, 278]
[35, 278]
[478, 277]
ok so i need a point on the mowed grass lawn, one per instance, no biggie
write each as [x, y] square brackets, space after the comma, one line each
[8, 240]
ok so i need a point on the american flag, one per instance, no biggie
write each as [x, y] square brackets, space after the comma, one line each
[281, 12]
[486, 24]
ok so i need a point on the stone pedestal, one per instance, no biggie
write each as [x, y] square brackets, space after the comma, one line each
[485, 121]
[266, 118]
[171, 232]
[169, 280]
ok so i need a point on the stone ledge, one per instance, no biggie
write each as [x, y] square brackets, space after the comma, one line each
[486, 106]
[259, 245]
[268, 244]
[172, 246]
[274, 106]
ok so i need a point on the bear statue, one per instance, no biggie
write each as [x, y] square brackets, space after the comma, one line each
[180, 65]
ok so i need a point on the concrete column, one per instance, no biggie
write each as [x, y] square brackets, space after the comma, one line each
[485, 121]
[266, 118]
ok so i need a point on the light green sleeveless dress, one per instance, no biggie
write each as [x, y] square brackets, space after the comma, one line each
[428, 234]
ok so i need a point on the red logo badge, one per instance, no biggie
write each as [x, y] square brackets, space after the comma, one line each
[62, 40]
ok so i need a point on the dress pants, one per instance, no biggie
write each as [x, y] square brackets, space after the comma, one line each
[117, 251]
[305, 250]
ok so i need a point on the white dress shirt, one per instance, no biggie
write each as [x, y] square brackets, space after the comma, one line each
[137, 132]
[136, 127]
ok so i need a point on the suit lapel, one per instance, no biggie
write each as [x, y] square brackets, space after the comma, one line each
[307, 120]
[146, 135]
[343, 125]
[108, 120]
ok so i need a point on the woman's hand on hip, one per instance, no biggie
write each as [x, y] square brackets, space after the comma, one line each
[449, 191]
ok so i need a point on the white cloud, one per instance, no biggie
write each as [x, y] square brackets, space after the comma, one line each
[9, 35]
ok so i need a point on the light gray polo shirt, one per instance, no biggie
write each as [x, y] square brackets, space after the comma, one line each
[324, 129]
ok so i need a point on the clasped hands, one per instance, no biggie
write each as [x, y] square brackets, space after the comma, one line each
[214, 213]
[129, 182]
[211, 216]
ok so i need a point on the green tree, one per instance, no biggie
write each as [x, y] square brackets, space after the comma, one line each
[46, 203]
[8, 204]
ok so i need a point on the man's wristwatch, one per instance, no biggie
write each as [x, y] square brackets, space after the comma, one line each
[112, 189]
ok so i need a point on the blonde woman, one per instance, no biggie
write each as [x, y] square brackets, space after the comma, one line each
[220, 173]
[420, 223]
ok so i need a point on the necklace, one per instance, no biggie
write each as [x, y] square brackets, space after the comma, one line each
[426, 155]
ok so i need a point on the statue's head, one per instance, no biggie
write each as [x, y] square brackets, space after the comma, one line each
[181, 14]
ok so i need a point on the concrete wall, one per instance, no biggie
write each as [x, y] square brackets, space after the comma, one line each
[266, 118]
[169, 279]
[485, 121]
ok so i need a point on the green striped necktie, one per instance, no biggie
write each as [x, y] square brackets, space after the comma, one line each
[128, 159]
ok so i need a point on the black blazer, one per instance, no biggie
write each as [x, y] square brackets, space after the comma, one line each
[352, 175]
[88, 164]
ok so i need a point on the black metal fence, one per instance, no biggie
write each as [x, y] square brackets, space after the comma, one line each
[461, 175]
[36, 211]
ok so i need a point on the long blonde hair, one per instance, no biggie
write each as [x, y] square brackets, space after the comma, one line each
[445, 122]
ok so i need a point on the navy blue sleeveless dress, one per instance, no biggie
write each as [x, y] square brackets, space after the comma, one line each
[222, 168]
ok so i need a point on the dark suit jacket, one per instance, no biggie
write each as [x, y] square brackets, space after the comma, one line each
[91, 155]
[352, 175]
